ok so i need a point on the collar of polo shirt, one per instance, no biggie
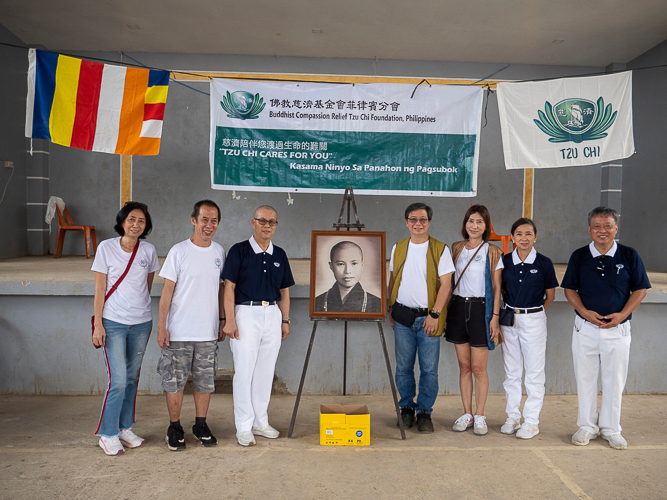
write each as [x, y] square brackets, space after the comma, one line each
[596, 253]
[255, 246]
[529, 260]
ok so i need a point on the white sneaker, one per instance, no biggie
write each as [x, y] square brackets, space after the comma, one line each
[510, 426]
[616, 441]
[245, 438]
[463, 422]
[111, 446]
[527, 431]
[267, 432]
[130, 439]
[582, 437]
[480, 425]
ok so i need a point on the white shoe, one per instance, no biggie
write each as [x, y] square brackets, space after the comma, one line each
[480, 425]
[130, 439]
[111, 446]
[246, 438]
[582, 437]
[463, 422]
[616, 441]
[510, 426]
[267, 432]
[528, 431]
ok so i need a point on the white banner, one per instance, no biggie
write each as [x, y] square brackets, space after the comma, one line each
[566, 122]
[322, 137]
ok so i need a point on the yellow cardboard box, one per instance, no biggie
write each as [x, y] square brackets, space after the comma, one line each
[348, 425]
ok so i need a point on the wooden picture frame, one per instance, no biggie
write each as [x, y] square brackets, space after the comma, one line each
[363, 283]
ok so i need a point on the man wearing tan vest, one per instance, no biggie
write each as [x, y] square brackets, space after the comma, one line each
[419, 287]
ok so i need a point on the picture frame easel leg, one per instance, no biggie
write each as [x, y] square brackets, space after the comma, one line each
[391, 381]
[303, 378]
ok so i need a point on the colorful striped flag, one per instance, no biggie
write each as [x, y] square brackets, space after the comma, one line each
[94, 106]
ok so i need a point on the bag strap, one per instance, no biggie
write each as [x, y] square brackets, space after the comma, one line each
[465, 268]
[127, 269]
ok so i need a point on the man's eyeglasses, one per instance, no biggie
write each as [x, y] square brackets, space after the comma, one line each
[413, 220]
[600, 268]
[264, 222]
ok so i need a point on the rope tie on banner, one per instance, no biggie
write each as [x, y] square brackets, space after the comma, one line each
[415, 90]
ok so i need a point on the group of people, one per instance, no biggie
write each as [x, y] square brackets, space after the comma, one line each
[472, 294]
[479, 298]
[207, 296]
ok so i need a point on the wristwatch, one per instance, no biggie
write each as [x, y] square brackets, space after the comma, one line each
[434, 314]
[286, 321]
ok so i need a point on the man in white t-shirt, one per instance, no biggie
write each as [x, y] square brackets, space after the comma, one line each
[190, 325]
[418, 313]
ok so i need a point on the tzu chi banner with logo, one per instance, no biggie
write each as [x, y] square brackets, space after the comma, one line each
[566, 122]
[319, 138]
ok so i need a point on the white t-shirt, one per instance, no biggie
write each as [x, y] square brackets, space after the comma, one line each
[413, 290]
[130, 304]
[193, 314]
[473, 282]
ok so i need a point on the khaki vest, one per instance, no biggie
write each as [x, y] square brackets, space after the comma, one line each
[495, 254]
[435, 249]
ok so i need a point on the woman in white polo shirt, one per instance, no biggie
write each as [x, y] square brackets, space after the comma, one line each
[472, 317]
[123, 323]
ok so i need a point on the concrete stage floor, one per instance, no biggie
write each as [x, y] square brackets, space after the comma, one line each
[49, 451]
[68, 269]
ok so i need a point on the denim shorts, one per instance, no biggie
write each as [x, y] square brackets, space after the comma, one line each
[181, 358]
[465, 321]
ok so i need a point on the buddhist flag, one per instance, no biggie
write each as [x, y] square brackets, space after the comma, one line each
[94, 106]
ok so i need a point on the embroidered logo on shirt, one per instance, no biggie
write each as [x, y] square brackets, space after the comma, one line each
[277, 264]
[143, 264]
[478, 258]
[217, 262]
[533, 271]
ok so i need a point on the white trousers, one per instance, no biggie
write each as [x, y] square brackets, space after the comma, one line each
[607, 352]
[255, 353]
[525, 349]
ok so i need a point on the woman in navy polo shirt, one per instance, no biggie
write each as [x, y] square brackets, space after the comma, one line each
[529, 287]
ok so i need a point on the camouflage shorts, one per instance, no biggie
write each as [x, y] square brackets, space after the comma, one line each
[181, 358]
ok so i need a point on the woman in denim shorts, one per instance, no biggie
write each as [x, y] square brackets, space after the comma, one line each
[123, 323]
[472, 316]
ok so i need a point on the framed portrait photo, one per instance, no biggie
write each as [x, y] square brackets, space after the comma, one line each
[348, 274]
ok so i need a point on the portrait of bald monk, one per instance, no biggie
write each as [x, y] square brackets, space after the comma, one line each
[346, 261]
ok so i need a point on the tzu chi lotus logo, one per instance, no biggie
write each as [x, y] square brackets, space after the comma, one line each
[576, 120]
[242, 105]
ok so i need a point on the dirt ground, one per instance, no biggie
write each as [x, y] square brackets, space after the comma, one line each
[49, 451]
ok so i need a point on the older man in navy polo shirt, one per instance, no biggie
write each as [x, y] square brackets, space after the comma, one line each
[604, 282]
[257, 278]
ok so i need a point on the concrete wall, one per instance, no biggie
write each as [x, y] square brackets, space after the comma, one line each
[13, 209]
[45, 348]
[171, 182]
[645, 173]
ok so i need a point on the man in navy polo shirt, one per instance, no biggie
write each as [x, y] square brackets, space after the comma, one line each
[604, 282]
[257, 278]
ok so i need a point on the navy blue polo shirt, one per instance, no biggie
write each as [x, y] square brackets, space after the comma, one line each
[258, 275]
[605, 292]
[524, 283]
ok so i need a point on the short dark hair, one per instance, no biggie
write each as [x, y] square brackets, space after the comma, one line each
[603, 211]
[266, 207]
[522, 221]
[419, 206]
[343, 244]
[204, 203]
[124, 212]
[484, 213]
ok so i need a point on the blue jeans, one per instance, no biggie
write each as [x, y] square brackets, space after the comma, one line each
[410, 342]
[123, 354]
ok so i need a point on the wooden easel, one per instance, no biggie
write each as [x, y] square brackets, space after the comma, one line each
[348, 199]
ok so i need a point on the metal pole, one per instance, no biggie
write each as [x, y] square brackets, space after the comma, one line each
[303, 378]
[345, 362]
[391, 381]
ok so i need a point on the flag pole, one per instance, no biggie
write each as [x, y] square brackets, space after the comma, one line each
[125, 179]
[528, 184]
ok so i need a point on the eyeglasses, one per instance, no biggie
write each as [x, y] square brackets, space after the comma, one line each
[413, 220]
[606, 227]
[600, 268]
[264, 222]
